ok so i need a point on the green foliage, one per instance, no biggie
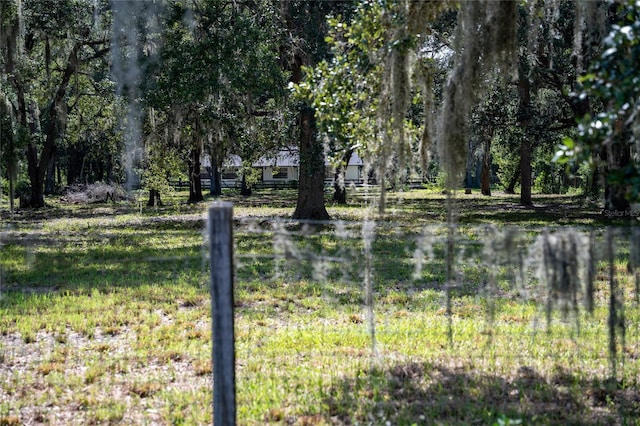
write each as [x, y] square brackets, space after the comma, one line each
[216, 79]
[160, 167]
[343, 90]
[613, 81]
[506, 421]
[52, 56]
[375, 93]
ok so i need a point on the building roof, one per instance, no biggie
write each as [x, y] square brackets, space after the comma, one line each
[284, 158]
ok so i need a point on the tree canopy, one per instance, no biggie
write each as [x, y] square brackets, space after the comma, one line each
[467, 91]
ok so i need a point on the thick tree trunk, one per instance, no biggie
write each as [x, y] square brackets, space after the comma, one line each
[310, 204]
[525, 171]
[195, 181]
[485, 180]
[215, 182]
[50, 179]
[614, 198]
[38, 166]
[215, 177]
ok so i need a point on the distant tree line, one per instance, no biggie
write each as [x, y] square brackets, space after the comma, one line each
[521, 96]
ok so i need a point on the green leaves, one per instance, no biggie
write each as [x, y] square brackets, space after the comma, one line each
[612, 83]
[566, 151]
[344, 89]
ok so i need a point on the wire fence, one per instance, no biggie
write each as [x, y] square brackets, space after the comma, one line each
[341, 322]
[502, 301]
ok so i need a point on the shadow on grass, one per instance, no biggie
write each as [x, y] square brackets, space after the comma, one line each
[60, 272]
[424, 394]
[547, 210]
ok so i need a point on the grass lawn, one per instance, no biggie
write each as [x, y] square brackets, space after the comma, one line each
[105, 316]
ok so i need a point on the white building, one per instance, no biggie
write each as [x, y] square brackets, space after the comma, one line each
[282, 168]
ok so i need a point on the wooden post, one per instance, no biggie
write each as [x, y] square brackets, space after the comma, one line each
[223, 353]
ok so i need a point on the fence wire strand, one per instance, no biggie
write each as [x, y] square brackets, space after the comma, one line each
[325, 304]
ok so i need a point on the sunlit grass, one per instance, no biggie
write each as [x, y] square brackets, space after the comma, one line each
[104, 319]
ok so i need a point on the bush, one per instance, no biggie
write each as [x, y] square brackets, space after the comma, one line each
[4, 185]
[22, 189]
[94, 193]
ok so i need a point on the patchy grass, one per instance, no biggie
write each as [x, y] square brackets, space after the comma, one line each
[105, 319]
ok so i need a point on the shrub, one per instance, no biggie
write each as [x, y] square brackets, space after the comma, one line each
[94, 193]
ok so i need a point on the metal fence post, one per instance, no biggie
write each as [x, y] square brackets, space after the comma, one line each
[223, 353]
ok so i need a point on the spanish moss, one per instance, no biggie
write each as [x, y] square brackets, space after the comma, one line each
[589, 29]
[426, 72]
[485, 41]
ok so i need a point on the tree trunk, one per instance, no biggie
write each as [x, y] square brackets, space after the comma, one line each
[12, 193]
[38, 163]
[245, 189]
[36, 180]
[618, 155]
[339, 184]
[38, 166]
[310, 204]
[58, 175]
[8, 150]
[485, 180]
[593, 188]
[74, 165]
[525, 171]
[471, 165]
[524, 115]
[524, 118]
[215, 179]
[195, 181]
[339, 188]
[511, 188]
[485, 174]
[50, 178]
[154, 198]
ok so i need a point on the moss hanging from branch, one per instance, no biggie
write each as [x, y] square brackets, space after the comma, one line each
[420, 14]
[485, 41]
[404, 21]
[588, 31]
[394, 97]
[426, 71]
[565, 268]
